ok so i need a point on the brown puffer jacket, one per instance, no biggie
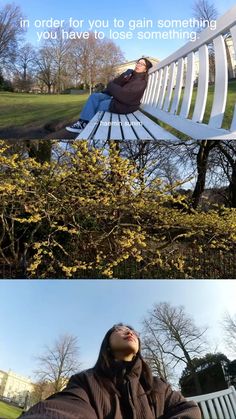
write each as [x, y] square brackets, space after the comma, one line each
[127, 91]
[85, 398]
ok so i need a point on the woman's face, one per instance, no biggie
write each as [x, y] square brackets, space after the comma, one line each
[124, 343]
[140, 66]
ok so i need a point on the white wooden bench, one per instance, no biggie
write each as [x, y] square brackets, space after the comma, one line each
[218, 405]
[170, 94]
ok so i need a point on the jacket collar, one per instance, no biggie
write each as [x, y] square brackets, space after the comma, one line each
[139, 75]
[131, 369]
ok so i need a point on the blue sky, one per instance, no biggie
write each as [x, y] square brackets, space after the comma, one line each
[35, 313]
[126, 10]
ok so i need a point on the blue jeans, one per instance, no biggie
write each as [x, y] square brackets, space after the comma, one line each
[96, 102]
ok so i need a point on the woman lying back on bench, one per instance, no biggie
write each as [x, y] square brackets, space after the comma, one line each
[119, 386]
[122, 95]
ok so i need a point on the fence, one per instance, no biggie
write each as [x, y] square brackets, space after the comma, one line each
[210, 264]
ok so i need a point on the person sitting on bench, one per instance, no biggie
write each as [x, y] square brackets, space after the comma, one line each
[122, 95]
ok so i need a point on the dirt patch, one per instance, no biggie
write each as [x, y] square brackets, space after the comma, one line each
[52, 130]
[60, 135]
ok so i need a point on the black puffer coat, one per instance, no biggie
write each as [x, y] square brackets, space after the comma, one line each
[85, 398]
[127, 91]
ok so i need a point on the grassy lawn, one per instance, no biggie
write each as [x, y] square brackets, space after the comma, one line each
[22, 110]
[27, 110]
[9, 412]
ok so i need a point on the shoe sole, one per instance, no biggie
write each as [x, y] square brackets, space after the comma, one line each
[76, 130]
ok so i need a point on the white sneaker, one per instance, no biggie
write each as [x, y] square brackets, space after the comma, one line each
[77, 127]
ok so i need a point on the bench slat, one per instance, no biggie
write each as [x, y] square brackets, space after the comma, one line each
[156, 131]
[147, 90]
[90, 128]
[204, 410]
[229, 406]
[163, 87]
[218, 409]
[233, 33]
[154, 88]
[157, 94]
[129, 132]
[140, 131]
[233, 402]
[188, 91]
[188, 127]
[224, 408]
[151, 88]
[202, 88]
[212, 409]
[169, 88]
[115, 132]
[102, 132]
[221, 83]
[178, 87]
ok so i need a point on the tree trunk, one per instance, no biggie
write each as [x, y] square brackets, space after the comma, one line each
[202, 162]
[197, 383]
[232, 187]
[232, 181]
[40, 150]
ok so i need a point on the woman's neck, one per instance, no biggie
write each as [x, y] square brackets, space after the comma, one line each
[123, 357]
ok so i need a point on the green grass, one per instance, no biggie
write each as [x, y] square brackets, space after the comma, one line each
[31, 110]
[22, 110]
[9, 412]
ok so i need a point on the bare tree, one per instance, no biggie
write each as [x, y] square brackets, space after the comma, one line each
[110, 56]
[205, 146]
[153, 159]
[93, 60]
[175, 335]
[229, 326]
[23, 67]
[205, 10]
[217, 160]
[227, 159]
[45, 65]
[60, 53]
[41, 390]
[62, 63]
[59, 362]
[206, 164]
[154, 355]
[10, 32]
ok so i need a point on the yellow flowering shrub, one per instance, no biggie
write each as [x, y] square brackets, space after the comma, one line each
[87, 214]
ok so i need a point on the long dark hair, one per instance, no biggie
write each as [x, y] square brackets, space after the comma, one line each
[103, 366]
[148, 66]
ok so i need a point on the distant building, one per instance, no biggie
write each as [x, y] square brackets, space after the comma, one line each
[15, 387]
[131, 64]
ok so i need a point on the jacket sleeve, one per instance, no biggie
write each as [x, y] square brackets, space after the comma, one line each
[176, 406]
[128, 94]
[71, 403]
[121, 80]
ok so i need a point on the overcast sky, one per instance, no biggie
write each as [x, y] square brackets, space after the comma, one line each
[131, 10]
[35, 313]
